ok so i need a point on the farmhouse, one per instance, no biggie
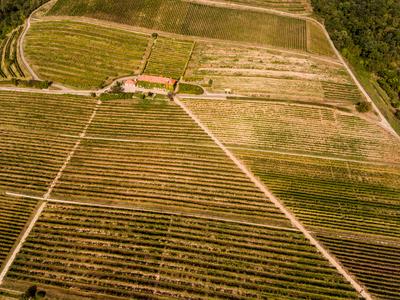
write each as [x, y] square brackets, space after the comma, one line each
[130, 86]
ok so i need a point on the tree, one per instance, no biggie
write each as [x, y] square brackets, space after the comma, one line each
[154, 35]
[117, 88]
[32, 293]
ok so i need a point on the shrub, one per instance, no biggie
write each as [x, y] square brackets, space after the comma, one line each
[397, 114]
[364, 106]
[115, 96]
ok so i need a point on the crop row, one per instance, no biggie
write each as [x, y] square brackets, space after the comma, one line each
[337, 91]
[29, 162]
[171, 256]
[290, 128]
[83, 55]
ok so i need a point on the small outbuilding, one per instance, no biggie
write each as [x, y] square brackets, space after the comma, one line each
[130, 85]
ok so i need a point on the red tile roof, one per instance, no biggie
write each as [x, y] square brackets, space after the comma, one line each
[130, 82]
[156, 79]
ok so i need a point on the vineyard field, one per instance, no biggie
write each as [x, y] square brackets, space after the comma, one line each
[31, 147]
[340, 195]
[343, 185]
[195, 19]
[169, 58]
[289, 128]
[137, 254]
[153, 155]
[82, 55]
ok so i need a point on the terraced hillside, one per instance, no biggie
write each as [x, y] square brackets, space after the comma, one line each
[82, 55]
[10, 66]
[339, 174]
[140, 254]
[196, 19]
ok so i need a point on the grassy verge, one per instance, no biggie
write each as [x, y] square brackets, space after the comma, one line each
[187, 88]
[377, 95]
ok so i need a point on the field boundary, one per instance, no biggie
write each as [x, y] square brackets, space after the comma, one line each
[138, 208]
[295, 222]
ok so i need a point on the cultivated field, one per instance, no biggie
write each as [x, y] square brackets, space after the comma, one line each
[32, 150]
[307, 157]
[153, 155]
[169, 58]
[307, 130]
[375, 263]
[122, 253]
[194, 19]
[353, 208]
[82, 55]
[141, 201]
[270, 73]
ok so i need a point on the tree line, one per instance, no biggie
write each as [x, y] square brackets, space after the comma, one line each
[368, 31]
[14, 12]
